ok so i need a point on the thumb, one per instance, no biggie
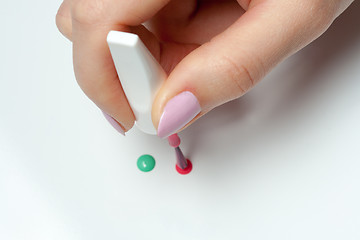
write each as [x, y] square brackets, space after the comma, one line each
[233, 62]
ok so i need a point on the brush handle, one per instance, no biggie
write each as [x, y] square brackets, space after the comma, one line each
[181, 161]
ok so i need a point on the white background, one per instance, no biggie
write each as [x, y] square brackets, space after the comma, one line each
[282, 162]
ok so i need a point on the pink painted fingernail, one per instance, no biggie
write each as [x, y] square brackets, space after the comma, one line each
[114, 123]
[179, 110]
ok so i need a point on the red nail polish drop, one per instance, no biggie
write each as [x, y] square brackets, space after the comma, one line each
[185, 171]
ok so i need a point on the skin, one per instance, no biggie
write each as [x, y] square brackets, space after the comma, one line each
[217, 49]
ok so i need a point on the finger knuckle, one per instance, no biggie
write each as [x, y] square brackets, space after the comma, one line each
[239, 75]
[88, 11]
[59, 22]
[321, 13]
[64, 27]
[62, 16]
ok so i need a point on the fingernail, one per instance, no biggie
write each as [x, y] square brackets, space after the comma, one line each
[114, 123]
[179, 110]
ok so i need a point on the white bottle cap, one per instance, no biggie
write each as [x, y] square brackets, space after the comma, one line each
[140, 75]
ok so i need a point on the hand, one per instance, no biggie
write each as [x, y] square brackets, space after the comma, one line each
[213, 50]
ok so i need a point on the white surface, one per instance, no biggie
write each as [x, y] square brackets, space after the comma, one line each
[140, 74]
[280, 163]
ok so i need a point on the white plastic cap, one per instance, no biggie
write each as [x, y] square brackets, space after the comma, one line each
[140, 75]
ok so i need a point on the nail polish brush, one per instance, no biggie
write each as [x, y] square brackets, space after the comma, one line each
[183, 165]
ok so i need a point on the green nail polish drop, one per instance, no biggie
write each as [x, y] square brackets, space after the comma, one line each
[146, 163]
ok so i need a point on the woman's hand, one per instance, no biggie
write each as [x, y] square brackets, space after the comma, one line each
[213, 50]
